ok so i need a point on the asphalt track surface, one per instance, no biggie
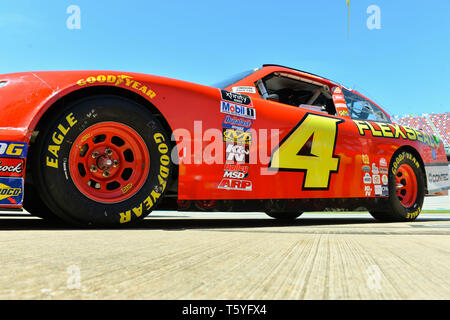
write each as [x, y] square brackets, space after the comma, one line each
[228, 256]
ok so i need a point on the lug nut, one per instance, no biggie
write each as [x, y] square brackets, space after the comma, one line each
[93, 168]
[106, 174]
[95, 154]
[108, 152]
[115, 163]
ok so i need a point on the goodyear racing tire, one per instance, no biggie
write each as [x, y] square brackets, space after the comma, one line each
[284, 215]
[406, 190]
[102, 161]
[282, 209]
[35, 206]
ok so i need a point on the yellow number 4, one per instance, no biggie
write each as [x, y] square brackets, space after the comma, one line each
[309, 147]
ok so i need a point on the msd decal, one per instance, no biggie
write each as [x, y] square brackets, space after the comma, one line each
[11, 191]
[10, 167]
[234, 184]
[13, 149]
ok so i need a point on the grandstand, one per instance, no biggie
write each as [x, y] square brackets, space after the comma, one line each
[435, 124]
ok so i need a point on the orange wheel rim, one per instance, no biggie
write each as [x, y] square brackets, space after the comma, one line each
[109, 162]
[406, 184]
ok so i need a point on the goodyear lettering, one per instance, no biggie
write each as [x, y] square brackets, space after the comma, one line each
[163, 175]
[395, 131]
[57, 139]
[413, 215]
[117, 80]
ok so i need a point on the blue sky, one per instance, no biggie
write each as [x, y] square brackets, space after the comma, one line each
[404, 66]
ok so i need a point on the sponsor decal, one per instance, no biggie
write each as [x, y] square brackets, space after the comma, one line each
[236, 97]
[237, 110]
[11, 167]
[366, 168]
[384, 179]
[155, 194]
[343, 112]
[378, 190]
[368, 191]
[235, 184]
[413, 215]
[384, 191]
[374, 168]
[383, 162]
[365, 159]
[57, 139]
[13, 149]
[237, 137]
[376, 179]
[11, 191]
[236, 167]
[236, 171]
[244, 89]
[384, 170]
[118, 80]
[367, 178]
[238, 123]
[238, 153]
[394, 131]
[234, 174]
[337, 90]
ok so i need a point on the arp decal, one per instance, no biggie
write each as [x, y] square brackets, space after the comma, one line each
[237, 110]
[13, 149]
[237, 137]
[236, 97]
[11, 191]
[117, 80]
[309, 148]
[11, 167]
[57, 139]
[235, 184]
[394, 131]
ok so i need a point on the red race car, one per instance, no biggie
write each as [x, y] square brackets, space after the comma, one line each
[104, 148]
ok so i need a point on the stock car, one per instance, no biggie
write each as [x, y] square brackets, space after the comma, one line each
[105, 148]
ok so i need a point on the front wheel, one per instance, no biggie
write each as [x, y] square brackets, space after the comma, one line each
[102, 161]
[406, 190]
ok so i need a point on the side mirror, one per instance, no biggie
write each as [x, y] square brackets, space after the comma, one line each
[273, 97]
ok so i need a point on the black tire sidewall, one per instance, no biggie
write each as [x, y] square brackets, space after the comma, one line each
[56, 185]
[401, 212]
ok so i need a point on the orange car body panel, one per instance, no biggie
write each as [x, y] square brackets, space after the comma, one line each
[27, 96]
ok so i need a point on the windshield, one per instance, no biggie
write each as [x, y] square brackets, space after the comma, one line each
[233, 79]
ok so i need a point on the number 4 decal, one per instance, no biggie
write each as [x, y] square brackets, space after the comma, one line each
[309, 148]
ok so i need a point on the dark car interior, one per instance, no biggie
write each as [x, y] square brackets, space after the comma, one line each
[295, 91]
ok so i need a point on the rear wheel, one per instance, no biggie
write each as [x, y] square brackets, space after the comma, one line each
[282, 209]
[102, 161]
[406, 190]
